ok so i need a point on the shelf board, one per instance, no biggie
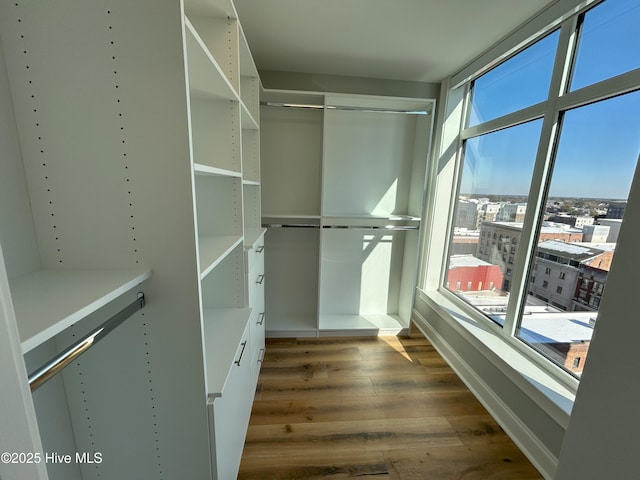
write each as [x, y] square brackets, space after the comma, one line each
[368, 323]
[223, 329]
[201, 169]
[251, 236]
[251, 183]
[214, 249]
[48, 301]
[206, 78]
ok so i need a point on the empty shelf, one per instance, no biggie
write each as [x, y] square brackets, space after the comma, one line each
[48, 301]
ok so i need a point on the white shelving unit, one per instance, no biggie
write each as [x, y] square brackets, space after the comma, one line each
[130, 152]
[343, 189]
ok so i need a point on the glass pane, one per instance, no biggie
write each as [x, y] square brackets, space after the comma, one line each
[609, 42]
[595, 163]
[494, 188]
[520, 82]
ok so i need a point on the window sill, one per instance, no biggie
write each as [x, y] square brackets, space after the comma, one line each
[556, 397]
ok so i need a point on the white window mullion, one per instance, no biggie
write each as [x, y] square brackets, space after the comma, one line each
[541, 177]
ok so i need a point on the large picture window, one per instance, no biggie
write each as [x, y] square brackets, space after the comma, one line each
[542, 192]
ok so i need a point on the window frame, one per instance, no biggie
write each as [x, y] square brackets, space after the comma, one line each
[448, 159]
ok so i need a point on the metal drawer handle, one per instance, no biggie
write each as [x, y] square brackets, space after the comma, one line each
[260, 279]
[260, 249]
[260, 318]
[244, 345]
[262, 353]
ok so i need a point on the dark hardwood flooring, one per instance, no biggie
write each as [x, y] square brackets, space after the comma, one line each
[385, 407]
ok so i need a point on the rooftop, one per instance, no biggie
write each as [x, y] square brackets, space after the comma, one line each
[457, 261]
[573, 251]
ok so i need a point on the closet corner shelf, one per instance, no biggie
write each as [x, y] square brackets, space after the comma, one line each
[223, 329]
[201, 169]
[206, 78]
[213, 249]
[255, 183]
[48, 301]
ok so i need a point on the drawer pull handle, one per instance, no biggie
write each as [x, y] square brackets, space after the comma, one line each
[262, 353]
[260, 279]
[244, 345]
[260, 249]
[260, 318]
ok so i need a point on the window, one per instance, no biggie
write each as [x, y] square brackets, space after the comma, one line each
[609, 27]
[537, 141]
[531, 67]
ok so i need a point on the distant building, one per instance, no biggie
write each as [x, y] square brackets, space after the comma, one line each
[499, 241]
[616, 210]
[488, 212]
[589, 288]
[614, 225]
[464, 242]
[511, 212]
[556, 269]
[595, 233]
[466, 214]
[574, 221]
[470, 274]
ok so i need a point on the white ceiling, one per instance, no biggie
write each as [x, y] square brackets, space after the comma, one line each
[419, 40]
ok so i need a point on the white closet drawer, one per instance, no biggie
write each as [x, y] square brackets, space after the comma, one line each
[256, 280]
[229, 414]
[255, 254]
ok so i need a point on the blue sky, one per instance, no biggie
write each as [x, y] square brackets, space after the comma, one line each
[599, 143]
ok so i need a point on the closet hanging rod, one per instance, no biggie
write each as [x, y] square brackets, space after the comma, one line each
[290, 225]
[344, 107]
[373, 227]
[60, 361]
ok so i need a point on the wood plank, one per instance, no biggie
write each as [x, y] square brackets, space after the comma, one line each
[479, 429]
[286, 355]
[364, 407]
[311, 388]
[348, 436]
[478, 462]
[432, 382]
[315, 464]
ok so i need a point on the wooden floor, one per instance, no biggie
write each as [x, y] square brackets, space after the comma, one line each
[385, 407]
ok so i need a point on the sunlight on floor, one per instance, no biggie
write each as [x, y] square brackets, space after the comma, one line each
[395, 343]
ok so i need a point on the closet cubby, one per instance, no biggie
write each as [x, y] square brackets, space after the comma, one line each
[358, 194]
[130, 152]
[291, 144]
[291, 292]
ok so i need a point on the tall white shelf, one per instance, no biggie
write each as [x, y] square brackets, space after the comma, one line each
[130, 152]
[343, 191]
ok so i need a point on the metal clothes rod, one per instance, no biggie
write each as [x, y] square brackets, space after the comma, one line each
[290, 225]
[55, 365]
[351, 227]
[373, 227]
[344, 107]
